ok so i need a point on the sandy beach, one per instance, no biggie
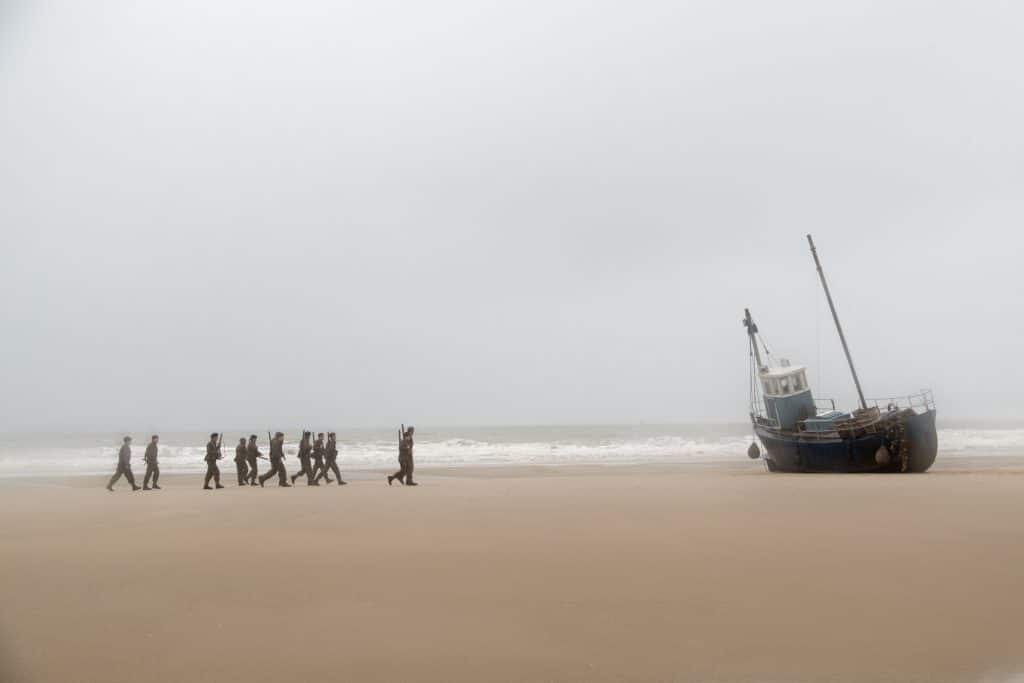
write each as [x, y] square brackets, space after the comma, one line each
[718, 573]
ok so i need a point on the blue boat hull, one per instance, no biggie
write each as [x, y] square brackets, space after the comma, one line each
[787, 452]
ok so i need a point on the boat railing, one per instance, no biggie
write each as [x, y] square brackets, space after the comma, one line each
[923, 401]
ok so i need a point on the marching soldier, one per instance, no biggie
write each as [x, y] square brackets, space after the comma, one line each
[252, 453]
[318, 459]
[305, 449]
[405, 462]
[152, 466]
[240, 462]
[331, 460]
[124, 465]
[276, 462]
[212, 456]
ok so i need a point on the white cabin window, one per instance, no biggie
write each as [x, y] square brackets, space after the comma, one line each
[799, 383]
[785, 385]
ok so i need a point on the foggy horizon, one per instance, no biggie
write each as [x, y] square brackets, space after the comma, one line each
[258, 214]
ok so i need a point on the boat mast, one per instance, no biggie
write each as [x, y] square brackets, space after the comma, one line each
[839, 327]
[748, 322]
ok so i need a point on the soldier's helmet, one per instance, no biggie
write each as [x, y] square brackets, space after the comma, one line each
[411, 429]
[252, 436]
[127, 439]
[278, 434]
[154, 437]
[213, 435]
[320, 435]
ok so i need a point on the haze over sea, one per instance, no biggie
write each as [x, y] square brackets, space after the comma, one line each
[80, 453]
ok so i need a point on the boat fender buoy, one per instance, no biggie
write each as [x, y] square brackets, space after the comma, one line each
[753, 452]
[882, 455]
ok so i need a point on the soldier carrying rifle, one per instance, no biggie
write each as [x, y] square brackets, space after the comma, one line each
[276, 461]
[212, 456]
[252, 453]
[305, 451]
[405, 463]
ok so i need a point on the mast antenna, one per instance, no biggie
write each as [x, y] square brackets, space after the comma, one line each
[839, 327]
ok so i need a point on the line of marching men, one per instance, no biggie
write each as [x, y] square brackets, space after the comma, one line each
[318, 459]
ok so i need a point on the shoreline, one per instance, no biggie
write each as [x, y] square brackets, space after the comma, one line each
[944, 465]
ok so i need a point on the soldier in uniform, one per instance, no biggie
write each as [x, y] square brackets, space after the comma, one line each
[405, 463]
[252, 453]
[240, 462]
[124, 465]
[276, 462]
[212, 456]
[318, 458]
[305, 449]
[331, 460]
[152, 466]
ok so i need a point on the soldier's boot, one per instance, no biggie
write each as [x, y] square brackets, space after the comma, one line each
[155, 487]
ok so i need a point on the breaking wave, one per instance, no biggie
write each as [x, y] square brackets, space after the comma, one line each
[511, 446]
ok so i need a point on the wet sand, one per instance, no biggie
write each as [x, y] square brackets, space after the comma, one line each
[718, 573]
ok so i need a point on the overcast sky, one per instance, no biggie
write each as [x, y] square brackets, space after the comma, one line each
[236, 213]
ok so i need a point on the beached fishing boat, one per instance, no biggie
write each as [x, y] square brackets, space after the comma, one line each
[802, 434]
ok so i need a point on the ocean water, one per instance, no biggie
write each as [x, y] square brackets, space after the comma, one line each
[33, 455]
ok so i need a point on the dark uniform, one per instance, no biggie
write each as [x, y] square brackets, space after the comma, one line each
[240, 462]
[152, 466]
[124, 465]
[252, 453]
[212, 456]
[276, 462]
[405, 463]
[331, 461]
[305, 450]
[318, 459]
